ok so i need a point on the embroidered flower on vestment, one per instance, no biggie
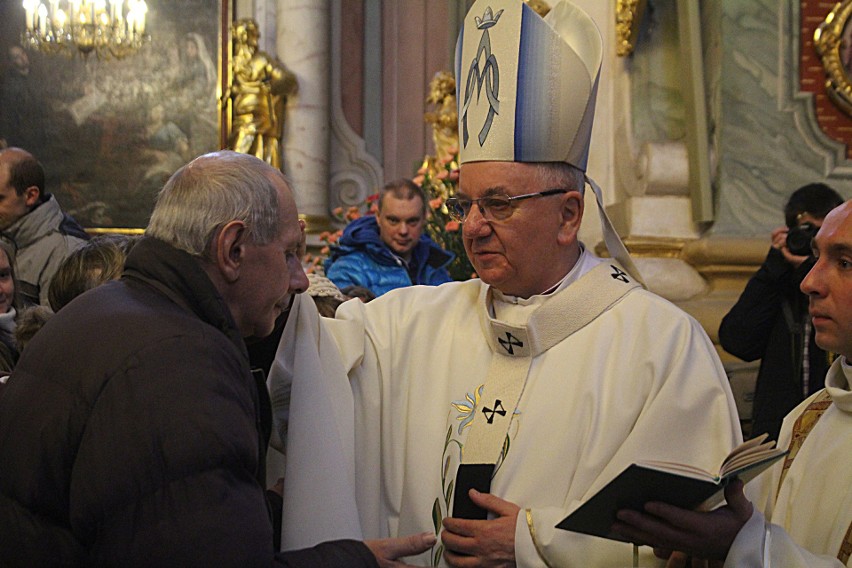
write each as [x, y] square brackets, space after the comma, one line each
[467, 408]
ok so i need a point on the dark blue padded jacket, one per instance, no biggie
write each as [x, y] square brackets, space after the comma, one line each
[361, 258]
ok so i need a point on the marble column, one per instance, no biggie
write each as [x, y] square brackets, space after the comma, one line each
[304, 47]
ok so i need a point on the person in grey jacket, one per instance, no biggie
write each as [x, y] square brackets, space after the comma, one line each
[33, 224]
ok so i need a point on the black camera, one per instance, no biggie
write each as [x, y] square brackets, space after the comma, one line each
[799, 239]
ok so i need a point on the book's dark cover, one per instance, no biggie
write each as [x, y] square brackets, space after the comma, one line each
[638, 485]
[634, 487]
[471, 476]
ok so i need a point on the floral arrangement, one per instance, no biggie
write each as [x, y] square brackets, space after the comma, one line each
[439, 180]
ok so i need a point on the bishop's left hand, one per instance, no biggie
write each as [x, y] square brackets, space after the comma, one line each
[469, 543]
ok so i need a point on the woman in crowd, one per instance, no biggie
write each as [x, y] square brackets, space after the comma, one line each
[10, 307]
[99, 260]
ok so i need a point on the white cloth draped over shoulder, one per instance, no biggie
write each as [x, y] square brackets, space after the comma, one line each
[639, 381]
[807, 523]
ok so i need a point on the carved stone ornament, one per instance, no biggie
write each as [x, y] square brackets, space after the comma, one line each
[833, 43]
[628, 16]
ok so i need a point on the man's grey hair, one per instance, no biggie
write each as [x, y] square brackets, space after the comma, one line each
[211, 191]
[552, 175]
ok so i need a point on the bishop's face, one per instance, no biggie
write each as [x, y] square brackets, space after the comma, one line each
[536, 246]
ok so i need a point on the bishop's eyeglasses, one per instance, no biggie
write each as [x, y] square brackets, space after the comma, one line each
[492, 207]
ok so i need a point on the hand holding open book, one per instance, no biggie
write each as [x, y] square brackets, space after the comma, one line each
[677, 484]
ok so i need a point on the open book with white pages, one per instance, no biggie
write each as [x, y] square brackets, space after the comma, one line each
[681, 485]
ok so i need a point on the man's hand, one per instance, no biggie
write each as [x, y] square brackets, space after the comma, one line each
[779, 241]
[683, 560]
[701, 534]
[388, 550]
[469, 543]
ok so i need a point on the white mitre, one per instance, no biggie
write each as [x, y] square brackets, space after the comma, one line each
[527, 85]
[526, 90]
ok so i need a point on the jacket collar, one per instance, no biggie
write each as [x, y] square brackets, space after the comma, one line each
[33, 226]
[180, 277]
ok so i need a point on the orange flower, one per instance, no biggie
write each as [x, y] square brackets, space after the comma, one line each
[337, 211]
[374, 208]
[324, 235]
[442, 174]
[436, 203]
[452, 226]
[325, 250]
[453, 176]
[418, 179]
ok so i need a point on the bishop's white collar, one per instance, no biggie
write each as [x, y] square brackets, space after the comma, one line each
[517, 310]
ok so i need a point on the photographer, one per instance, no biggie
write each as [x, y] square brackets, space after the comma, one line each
[770, 320]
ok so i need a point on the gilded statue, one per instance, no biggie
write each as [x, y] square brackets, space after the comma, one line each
[444, 119]
[540, 7]
[259, 89]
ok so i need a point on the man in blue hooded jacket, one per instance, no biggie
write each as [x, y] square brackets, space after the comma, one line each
[389, 250]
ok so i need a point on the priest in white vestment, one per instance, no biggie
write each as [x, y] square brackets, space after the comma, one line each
[802, 508]
[536, 383]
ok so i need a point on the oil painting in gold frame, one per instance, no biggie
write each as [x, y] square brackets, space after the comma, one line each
[110, 132]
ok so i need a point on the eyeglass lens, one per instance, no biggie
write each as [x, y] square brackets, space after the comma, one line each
[494, 206]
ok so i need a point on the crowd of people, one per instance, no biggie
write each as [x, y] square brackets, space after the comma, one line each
[423, 421]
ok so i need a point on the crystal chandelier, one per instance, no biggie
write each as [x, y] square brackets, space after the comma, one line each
[110, 28]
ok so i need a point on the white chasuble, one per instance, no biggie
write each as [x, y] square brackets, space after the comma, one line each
[514, 346]
[638, 380]
[806, 521]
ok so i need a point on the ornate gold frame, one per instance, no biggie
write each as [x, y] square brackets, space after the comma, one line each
[828, 40]
[628, 16]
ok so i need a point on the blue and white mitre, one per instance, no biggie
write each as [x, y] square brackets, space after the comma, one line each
[527, 84]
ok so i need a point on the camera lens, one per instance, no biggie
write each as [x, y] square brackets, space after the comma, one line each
[799, 239]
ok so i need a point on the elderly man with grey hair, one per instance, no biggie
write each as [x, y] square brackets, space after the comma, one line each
[133, 433]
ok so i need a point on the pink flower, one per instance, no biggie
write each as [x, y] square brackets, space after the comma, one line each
[374, 208]
[372, 198]
[452, 226]
[453, 176]
[325, 250]
[442, 174]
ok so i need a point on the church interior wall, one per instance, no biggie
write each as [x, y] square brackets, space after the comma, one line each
[771, 126]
